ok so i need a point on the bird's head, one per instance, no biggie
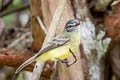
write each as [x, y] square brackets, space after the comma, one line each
[72, 25]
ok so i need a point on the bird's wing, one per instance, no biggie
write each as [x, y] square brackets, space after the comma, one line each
[54, 43]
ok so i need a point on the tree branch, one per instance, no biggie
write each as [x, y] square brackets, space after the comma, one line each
[4, 6]
[14, 58]
[14, 10]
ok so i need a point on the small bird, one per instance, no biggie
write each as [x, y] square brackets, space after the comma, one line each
[60, 47]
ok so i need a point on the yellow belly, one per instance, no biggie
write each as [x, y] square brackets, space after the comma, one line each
[60, 52]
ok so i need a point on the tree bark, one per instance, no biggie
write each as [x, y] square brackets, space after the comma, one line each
[37, 32]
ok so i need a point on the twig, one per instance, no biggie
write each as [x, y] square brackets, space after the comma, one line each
[73, 7]
[52, 30]
[14, 43]
[4, 6]
[2, 1]
[41, 24]
[2, 26]
[14, 10]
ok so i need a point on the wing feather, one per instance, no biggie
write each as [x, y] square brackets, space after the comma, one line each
[54, 43]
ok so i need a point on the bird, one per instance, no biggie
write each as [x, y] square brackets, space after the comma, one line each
[60, 47]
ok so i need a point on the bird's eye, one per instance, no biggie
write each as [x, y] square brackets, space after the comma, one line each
[70, 26]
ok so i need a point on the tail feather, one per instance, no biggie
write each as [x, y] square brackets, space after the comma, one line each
[25, 64]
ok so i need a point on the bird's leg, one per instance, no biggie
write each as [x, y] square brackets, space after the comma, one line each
[64, 61]
[73, 56]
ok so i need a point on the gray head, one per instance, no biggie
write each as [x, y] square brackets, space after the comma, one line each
[72, 25]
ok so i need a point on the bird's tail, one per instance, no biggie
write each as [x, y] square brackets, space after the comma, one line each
[25, 64]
